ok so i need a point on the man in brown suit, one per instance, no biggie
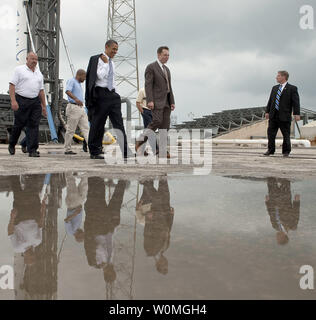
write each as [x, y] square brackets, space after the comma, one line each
[160, 100]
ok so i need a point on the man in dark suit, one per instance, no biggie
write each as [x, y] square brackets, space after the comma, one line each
[284, 211]
[102, 101]
[160, 98]
[284, 100]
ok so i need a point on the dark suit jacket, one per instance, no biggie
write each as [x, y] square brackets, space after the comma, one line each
[281, 197]
[289, 101]
[156, 86]
[90, 80]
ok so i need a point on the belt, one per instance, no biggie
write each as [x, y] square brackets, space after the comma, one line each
[106, 89]
[26, 97]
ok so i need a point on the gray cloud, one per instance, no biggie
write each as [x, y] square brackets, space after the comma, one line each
[224, 54]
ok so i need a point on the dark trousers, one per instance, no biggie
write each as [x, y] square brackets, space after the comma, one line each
[23, 142]
[160, 120]
[285, 126]
[28, 115]
[147, 117]
[108, 104]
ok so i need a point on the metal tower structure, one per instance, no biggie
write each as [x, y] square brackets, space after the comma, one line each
[44, 21]
[122, 28]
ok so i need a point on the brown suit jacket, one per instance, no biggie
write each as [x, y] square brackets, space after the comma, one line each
[156, 86]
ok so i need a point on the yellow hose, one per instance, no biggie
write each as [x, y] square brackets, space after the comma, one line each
[112, 139]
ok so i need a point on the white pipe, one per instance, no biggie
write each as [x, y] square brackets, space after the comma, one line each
[21, 33]
[278, 142]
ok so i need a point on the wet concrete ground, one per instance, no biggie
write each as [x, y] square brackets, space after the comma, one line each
[241, 232]
[225, 160]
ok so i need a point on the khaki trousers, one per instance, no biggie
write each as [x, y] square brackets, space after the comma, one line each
[76, 116]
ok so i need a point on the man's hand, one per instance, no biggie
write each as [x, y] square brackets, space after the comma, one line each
[44, 111]
[267, 116]
[297, 117]
[79, 102]
[173, 106]
[297, 197]
[14, 105]
[151, 105]
[139, 107]
[13, 214]
[104, 58]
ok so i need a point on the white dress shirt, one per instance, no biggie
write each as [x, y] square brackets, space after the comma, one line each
[165, 73]
[160, 64]
[27, 83]
[103, 72]
[26, 234]
[141, 98]
[283, 86]
[104, 250]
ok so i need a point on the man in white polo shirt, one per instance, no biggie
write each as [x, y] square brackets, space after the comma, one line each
[28, 103]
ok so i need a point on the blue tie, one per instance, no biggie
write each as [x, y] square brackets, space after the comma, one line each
[277, 101]
[110, 75]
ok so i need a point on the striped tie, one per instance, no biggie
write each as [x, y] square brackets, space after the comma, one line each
[110, 75]
[277, 101]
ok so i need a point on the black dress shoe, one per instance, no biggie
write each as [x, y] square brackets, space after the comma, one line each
[24, 149]
[84, 146]
[70, 153]
[268, 153]
[286, 155]
[34, 154]
[11, 150]
[96, 156]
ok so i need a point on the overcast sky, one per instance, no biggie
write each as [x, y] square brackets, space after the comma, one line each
[224, 53]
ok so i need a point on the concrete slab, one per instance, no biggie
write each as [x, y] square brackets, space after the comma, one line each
[244, 161]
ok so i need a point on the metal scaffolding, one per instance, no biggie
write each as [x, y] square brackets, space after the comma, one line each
[44, 18]
[122, 28]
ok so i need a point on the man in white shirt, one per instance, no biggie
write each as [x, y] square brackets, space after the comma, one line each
[103, 101]
[142, 107]
[28, 103]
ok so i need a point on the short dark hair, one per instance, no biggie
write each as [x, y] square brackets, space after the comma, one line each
[110, 42]
[284, 74]
[160, 49]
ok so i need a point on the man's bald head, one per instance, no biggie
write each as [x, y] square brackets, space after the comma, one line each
[81, 75]
[31, 60]
[31, 54]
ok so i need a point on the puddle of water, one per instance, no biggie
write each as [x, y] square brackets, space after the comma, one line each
[178, 237]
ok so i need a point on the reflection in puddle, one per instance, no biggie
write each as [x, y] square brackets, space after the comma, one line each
[283, 211]
[157, 215]
[75, 236]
